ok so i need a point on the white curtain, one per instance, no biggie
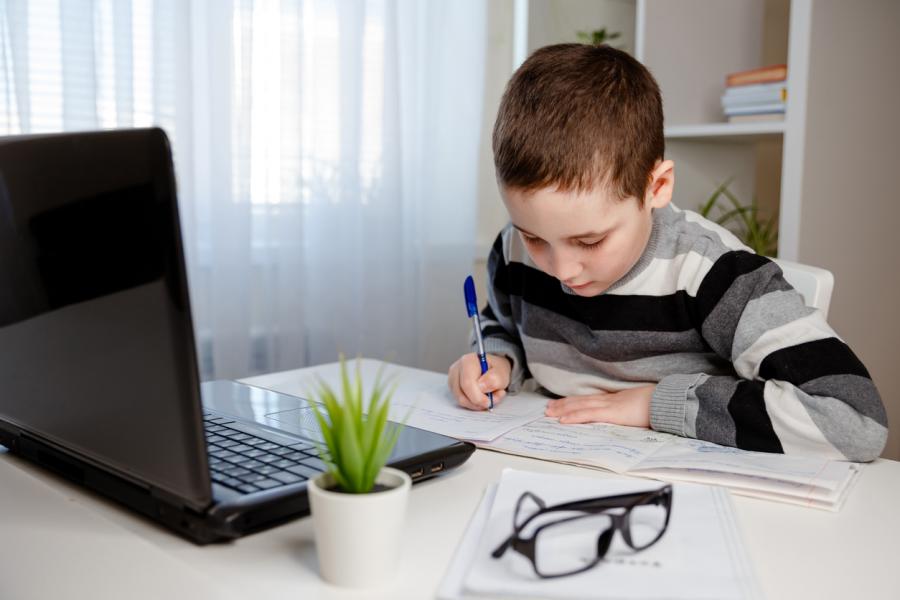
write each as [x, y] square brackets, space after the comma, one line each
[326, 156]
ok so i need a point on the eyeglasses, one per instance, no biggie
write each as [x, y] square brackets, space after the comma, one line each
[573, 537]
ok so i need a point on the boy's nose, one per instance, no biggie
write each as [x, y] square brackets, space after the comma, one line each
[565, 268]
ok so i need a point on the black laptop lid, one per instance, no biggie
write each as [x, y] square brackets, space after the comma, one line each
[95, 330]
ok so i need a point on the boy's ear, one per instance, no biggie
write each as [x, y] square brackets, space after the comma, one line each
[662, 184]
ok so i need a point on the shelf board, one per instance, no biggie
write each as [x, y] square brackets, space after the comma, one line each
[726, 132]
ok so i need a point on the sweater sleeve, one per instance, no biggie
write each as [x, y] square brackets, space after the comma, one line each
[501, 336]
[797, 389]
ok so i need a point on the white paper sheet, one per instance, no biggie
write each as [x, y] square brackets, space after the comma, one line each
[610, 446]
[700, 556]
[517, 426]
[435, 409]
[808, 481]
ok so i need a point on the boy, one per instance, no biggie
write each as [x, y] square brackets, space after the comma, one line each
[632, 311]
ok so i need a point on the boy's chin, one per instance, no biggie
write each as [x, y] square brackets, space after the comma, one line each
[588, 290]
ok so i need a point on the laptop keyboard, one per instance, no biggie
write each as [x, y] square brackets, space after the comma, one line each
[246, 463]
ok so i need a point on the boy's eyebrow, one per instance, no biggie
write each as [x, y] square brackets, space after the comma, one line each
[588, 234]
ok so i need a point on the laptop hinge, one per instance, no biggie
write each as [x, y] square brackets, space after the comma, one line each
[9, 434]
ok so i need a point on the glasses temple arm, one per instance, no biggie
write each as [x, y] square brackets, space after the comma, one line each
[502, 548]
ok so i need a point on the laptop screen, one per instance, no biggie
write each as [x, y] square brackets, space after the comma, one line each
[95, 327]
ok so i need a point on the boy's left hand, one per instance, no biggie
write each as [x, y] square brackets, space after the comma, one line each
[627, 407]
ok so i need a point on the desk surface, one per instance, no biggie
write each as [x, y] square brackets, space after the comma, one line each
[60, 541]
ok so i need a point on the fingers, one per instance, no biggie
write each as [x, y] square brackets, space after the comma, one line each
[587, 415]
[470, 387]
[580, 409]
[629, 407]
[566, 406]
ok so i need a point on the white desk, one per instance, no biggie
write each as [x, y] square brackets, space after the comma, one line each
[59, 541]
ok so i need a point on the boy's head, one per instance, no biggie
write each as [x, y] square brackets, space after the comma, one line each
[578, 149]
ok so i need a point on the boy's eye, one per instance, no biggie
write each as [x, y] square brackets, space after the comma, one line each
[591, 244]
[531, 239]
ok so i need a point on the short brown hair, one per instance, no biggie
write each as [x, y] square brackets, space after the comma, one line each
[577, 116]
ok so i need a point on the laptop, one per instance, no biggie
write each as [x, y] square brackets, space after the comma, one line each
[99, 379]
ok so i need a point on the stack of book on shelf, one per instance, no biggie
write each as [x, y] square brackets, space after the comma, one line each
[756, 95]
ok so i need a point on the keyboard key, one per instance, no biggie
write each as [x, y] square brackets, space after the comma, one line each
[283, 463]
[250, 464]
[227, 444]
[286, 477]
[252, 477]
[267, 458]
[271, 446]
[240, 448]
[240, 436]
[267, 484]
[281, 451]
[247, 488]
[303, 470]
[255, 453]
[268, 470]
[303, 446]
[255, 442]
[296, 456]
[221, 453]
[232, 482]
[218, 477]
[213, 438]
[315, 463]
[235, 471]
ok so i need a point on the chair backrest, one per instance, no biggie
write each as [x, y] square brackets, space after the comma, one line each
[813, 283]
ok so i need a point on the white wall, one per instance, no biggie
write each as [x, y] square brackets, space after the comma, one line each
[851, 209]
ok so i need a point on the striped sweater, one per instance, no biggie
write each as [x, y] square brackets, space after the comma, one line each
[737, 357]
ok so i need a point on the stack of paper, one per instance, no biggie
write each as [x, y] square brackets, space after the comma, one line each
[518, 426]
[700, 556]
[806, 481]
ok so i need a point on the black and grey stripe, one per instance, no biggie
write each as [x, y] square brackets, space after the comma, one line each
[737, 357]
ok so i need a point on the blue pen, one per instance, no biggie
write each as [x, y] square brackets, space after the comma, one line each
[472, 308]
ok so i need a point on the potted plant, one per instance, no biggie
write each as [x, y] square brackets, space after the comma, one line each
[598, 36]
[358, 504]
[745, 221]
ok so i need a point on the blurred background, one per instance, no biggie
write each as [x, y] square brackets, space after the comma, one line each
[333, 156]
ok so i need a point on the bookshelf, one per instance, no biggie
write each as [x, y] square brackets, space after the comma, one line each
[726, 132]
[690, 45]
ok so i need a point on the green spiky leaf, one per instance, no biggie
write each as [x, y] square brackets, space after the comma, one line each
[745, 221]
[357, 438]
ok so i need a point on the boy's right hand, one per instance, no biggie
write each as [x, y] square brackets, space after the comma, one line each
[470, 387]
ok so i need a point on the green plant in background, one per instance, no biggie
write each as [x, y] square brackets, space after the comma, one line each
[598, 36]
[358, 443]
[745, 221]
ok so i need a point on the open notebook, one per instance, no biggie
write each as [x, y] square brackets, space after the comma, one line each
[518, 426]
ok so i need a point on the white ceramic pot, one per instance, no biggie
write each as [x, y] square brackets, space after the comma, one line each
[358, 535]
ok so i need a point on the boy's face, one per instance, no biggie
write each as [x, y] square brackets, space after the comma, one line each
[587, 240]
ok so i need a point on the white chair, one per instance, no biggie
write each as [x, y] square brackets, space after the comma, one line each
[813, 283]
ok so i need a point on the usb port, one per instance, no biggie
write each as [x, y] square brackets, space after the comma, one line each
[417, 473]
[436, 467]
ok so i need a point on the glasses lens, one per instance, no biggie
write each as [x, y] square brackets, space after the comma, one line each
[647, 522]
[569, 542]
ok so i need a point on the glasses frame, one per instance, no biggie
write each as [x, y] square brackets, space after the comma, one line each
[621, 522]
